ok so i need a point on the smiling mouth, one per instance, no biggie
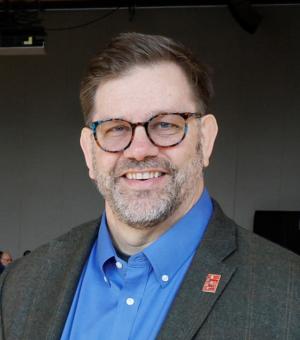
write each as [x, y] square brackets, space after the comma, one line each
[143, 176]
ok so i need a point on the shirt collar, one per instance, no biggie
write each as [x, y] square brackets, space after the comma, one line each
[104, 247]
[172, 249]
[177, 244]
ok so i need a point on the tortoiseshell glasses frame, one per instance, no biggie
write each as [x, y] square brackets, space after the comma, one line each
[163, 130]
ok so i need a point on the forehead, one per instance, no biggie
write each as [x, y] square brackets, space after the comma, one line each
[144, 91]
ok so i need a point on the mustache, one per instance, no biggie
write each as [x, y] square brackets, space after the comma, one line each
[148, 163]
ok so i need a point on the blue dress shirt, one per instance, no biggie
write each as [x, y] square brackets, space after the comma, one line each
[118, 300]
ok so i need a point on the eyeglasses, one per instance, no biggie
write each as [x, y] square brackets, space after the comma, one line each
[163, 130]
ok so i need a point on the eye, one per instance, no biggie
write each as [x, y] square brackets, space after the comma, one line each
[114, 128]
[165, 125]
[164, 128]
[117, 130]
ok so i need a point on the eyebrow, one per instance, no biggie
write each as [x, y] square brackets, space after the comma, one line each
[149, 115]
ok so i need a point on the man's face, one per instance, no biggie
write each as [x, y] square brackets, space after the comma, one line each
[145, 184]
[6, 259]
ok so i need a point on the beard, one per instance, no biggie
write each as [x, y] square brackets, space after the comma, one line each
[147, 208]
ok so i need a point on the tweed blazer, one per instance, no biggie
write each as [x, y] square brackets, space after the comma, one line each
[257, 296]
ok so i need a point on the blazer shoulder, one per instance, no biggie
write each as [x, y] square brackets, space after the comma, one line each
[264, 250]
[53, 253]
[41, 285]
[250, 244]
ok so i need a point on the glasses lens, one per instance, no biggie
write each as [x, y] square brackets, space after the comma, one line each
[114, 135]
[167, 129]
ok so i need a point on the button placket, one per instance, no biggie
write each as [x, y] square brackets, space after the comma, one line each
[130, 298]
[165, 278]
[130, 301]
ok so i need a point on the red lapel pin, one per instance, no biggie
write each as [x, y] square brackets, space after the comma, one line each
[211, 283]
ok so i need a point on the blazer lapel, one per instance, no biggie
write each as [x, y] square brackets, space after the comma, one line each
[192, 305]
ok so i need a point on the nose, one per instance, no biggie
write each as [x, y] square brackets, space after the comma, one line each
[141, 146]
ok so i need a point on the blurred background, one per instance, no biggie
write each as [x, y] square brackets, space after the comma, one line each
[253, 49]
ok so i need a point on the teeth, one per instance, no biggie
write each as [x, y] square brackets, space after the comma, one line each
[139, 176]
[143, 175]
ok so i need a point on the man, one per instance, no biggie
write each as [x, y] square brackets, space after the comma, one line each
[5, 258]
[1, 265]
[166, 262]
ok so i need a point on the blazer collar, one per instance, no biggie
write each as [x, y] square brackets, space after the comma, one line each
[192, 305]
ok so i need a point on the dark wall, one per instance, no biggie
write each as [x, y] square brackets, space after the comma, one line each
[44, 185]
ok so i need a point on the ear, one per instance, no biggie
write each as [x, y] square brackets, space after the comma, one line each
[86, 143]
[209, 129]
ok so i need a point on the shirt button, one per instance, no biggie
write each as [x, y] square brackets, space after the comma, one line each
[165, 278]
[119, 265]
[130, 301]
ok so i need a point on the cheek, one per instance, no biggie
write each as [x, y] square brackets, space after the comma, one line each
[104, 162]
[186, 150]
[178, 155]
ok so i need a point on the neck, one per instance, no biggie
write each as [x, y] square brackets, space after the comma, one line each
[131, 240]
